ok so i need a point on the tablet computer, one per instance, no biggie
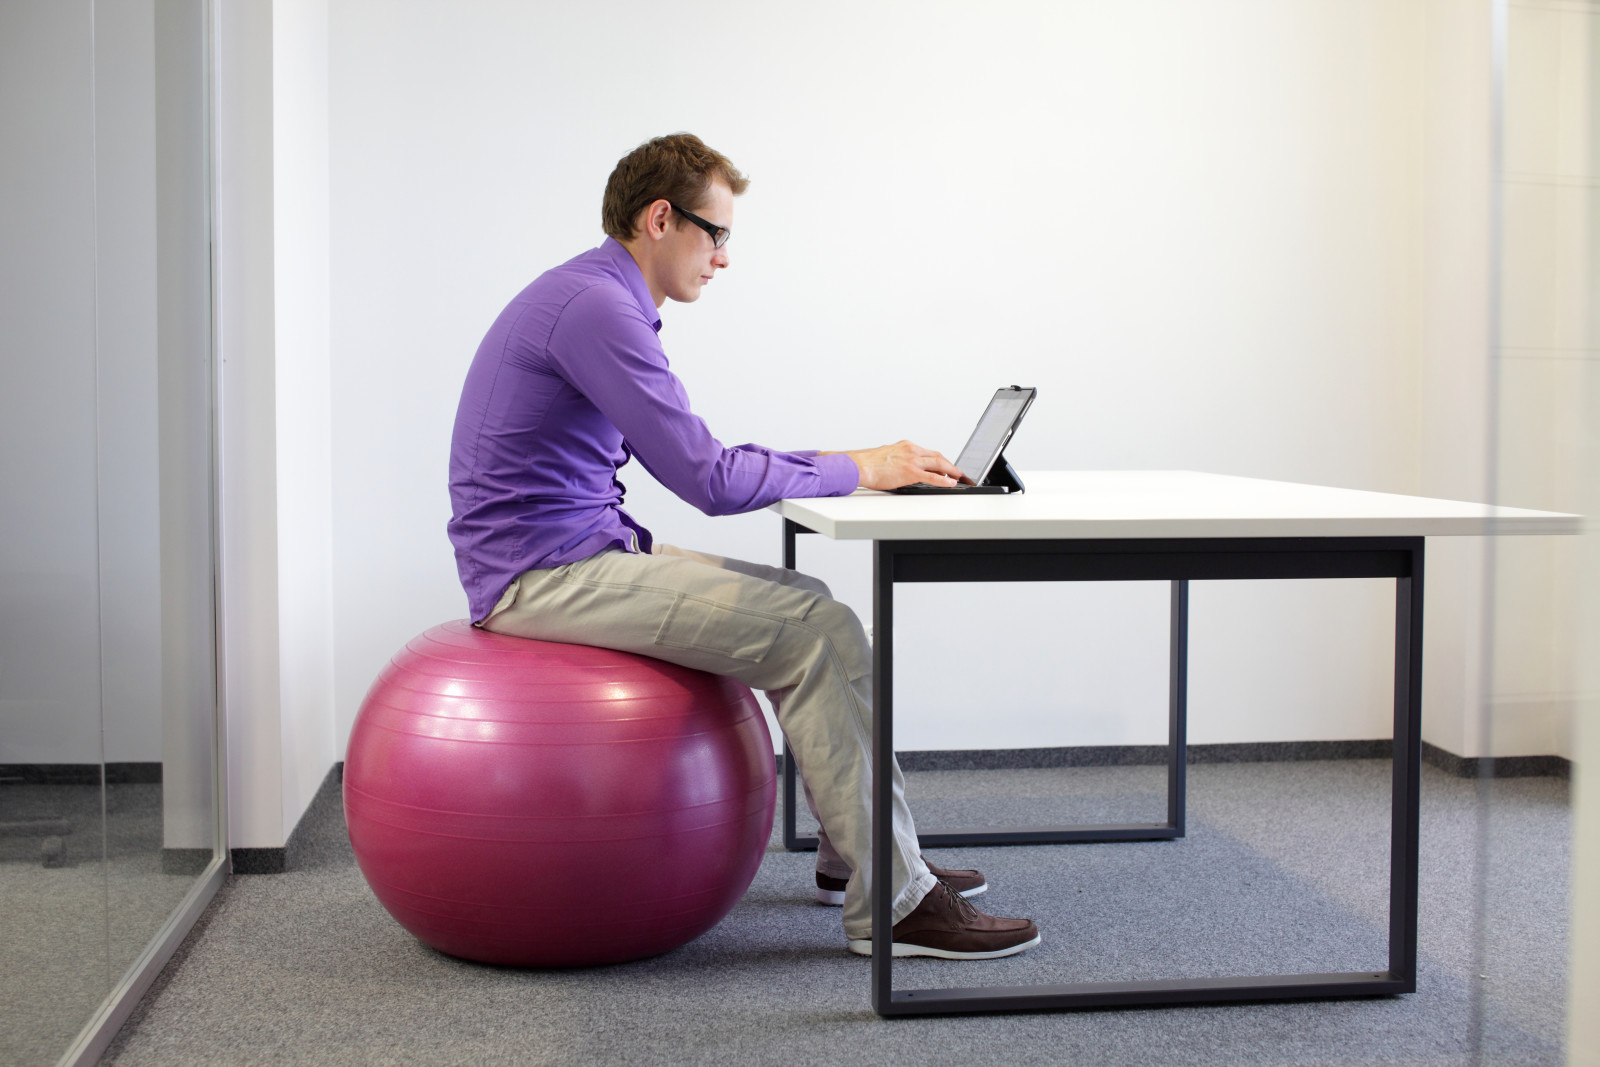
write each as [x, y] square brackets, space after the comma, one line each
[982, 459]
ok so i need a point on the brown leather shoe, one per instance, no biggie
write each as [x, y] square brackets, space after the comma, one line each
[945, 925]
[968, 883]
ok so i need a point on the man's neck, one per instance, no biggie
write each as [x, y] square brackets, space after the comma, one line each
[640, 251]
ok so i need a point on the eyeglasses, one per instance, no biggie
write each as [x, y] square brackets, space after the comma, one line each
[719, 235]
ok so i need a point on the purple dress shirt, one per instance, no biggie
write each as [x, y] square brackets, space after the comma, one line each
[571, 381]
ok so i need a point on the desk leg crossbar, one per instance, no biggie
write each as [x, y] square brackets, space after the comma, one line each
[1177, 760]
[1178, 561]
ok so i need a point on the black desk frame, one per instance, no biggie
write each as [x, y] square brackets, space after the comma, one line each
[1178, 560]
[1177, 758]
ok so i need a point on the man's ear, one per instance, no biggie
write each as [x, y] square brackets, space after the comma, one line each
[656, 219]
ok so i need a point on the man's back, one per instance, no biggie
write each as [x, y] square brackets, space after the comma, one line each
[532, 459]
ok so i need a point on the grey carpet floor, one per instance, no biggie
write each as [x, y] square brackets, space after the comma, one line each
[1284, 869]
[67, 933]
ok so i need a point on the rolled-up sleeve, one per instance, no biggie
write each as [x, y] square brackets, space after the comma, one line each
[609, 351]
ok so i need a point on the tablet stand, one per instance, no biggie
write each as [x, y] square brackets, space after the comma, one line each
[1003, 473]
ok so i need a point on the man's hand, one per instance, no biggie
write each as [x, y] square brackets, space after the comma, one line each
[903, 463]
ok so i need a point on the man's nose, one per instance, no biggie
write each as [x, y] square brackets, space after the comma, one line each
[721, 257]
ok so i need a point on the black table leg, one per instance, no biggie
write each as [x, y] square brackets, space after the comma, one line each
[1405, 808]
[1177, 757]
[1400, 977]
[882, 772]
[791, 835]
[1178, 707]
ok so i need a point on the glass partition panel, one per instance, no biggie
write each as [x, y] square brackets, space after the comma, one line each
[154, 331]
[54, 967]
[109, 794]
[1543, 637]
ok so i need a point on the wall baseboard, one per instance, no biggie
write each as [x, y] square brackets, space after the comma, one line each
[147, 773]
[1250, 752]
[288, 857]
[1497, 766]
[1138, 755]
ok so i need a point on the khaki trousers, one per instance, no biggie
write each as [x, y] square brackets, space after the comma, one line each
[772, 629]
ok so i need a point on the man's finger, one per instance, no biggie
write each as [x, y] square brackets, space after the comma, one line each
[935, 478]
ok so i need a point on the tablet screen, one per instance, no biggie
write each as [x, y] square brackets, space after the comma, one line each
[990, 437]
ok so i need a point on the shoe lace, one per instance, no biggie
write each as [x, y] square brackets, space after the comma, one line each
[966, 914]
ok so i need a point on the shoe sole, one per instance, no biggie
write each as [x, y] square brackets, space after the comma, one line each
[863, 947]
[834, 898]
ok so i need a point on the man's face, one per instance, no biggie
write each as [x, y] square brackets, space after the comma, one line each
[690, 258]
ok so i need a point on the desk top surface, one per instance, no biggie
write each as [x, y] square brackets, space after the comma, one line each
[1159, 504]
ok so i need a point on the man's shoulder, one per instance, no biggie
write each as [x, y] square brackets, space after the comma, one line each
[547, 299]
[564, 281]
[589, 283]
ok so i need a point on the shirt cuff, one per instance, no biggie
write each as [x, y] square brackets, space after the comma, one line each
[840, 475]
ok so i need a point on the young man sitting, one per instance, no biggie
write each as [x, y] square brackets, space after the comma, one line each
[569, 384]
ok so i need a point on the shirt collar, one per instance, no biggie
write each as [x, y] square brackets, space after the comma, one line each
[634, 278]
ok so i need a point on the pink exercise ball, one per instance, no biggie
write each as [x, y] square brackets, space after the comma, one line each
[546, 805]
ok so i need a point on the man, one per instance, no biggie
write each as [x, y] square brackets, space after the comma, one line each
[568, 385]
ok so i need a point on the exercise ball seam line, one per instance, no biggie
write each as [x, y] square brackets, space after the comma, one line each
[427, 665]
[539, 703]
[612, 922]
[565, 841]
[668, 686]
[713, 892]
[596, 676]
[416, 714]
[761, 787]
[544, 744]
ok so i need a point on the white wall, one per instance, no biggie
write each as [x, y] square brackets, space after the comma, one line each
[1194, 227]
[246, 421]
[271, 221]
[301, 290]
[1453, 424]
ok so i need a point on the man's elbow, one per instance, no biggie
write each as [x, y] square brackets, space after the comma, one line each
[703, 498]
[716, 507]
[716, 499]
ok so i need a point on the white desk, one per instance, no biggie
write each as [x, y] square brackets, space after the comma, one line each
[1172, 526]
